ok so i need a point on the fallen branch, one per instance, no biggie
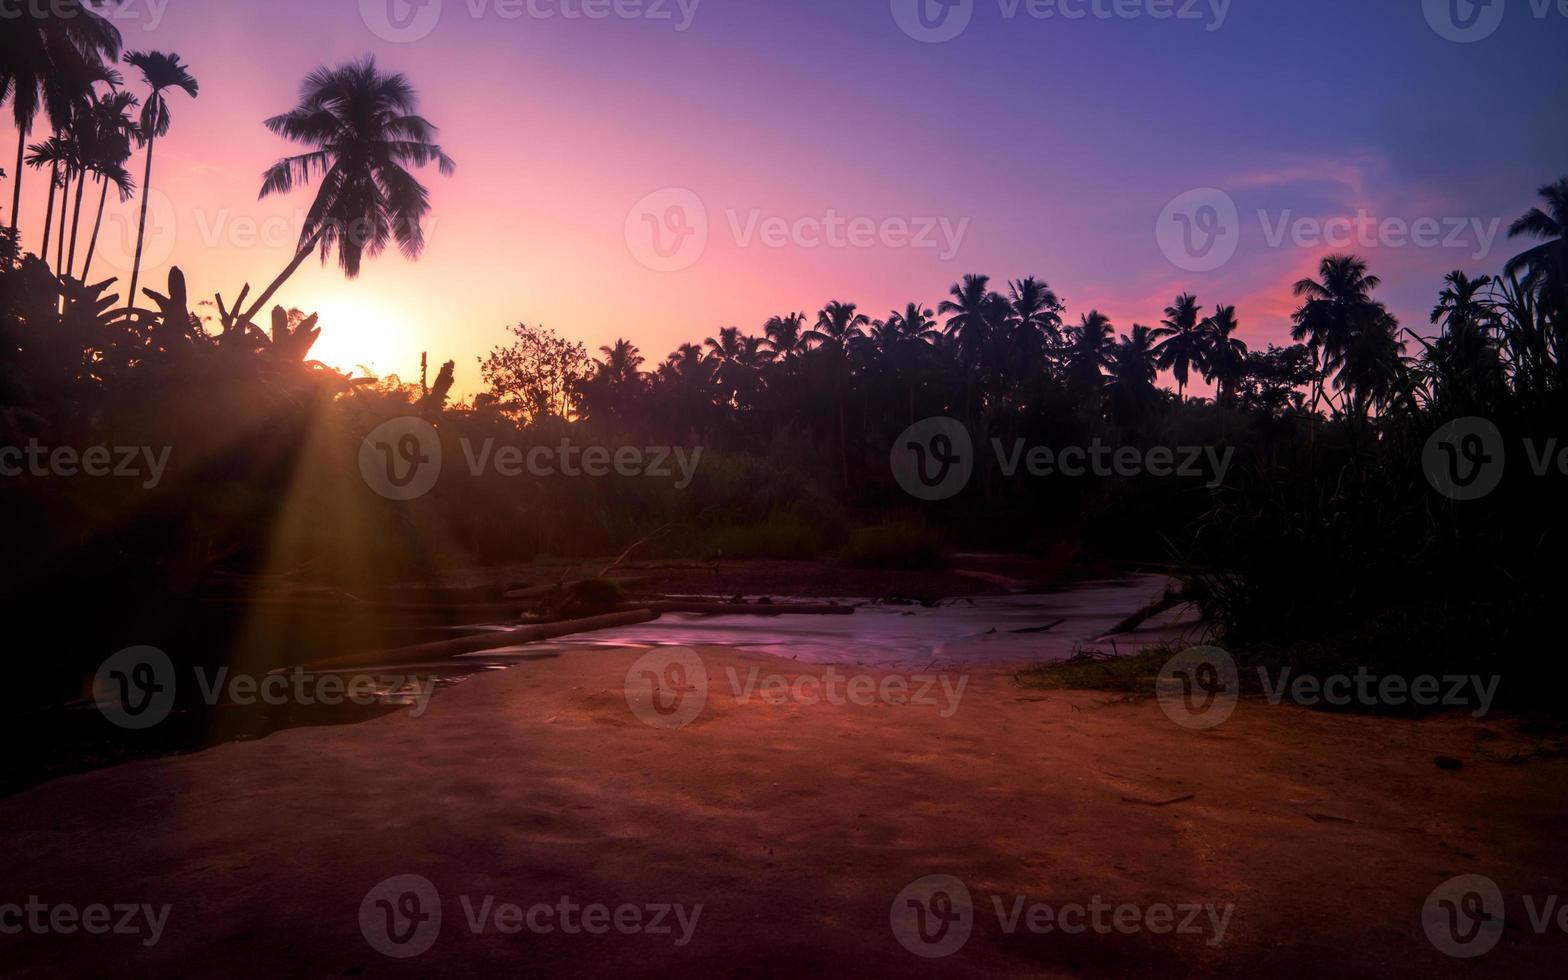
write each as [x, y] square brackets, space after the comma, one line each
[745, 609]
[1179, 799]
[446, 649]
[1170, 600]
[1041, 629]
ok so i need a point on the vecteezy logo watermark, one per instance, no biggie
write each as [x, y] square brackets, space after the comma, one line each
[667, 231]
[1200, 230]
[124, 919]
[1198, 687]
[401, 459]
[667, 688]
[401, 917]
[1465, 21]
[933, 916]
[118, 462]
[1464, 917]
[405, 21]
[1465, 459]
[136, 688]
[933, 459]
[934, 21]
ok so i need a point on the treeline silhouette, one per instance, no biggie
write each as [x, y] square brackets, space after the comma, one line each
[1325, 534]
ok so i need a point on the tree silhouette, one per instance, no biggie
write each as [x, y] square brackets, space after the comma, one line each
[364, 133]
[161, 71]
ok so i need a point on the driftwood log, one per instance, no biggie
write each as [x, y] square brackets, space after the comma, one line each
[479, 643]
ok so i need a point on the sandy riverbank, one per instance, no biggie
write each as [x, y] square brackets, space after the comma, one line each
[795, 826]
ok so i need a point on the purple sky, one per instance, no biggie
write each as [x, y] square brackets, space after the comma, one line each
[1026, 144]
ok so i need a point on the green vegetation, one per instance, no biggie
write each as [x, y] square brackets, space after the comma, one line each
[894, 546]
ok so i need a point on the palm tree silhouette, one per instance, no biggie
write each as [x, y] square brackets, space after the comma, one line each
[1133, 370]
[44, 60]
[1226, 357]
[112, 129]
[1185, 347]
[1088, 351]
[1545, 265]
[364, 133]
[161, 71]
[1464, 363]
[838, 325]
[1339, 322]
[786, 335]
[902, 341]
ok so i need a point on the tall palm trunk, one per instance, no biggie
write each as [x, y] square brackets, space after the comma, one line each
[92, 245]
[141, 228]
[65, 208]
[76, 221]
[293, 267]
[54, 179]
[16, 186]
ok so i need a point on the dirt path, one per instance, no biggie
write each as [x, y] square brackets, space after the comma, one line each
[796, 826]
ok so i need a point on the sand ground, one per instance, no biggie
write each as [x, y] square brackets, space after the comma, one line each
[795, 826]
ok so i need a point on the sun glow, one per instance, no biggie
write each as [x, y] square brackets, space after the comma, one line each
[364, 337]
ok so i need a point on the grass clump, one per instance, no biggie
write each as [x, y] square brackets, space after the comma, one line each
[1094, 670]
[895, 546]
[781, 538]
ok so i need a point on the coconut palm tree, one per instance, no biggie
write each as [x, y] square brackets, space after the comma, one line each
[1226, 358]
[113, 129]
[1035, 313]
[785, 335]
[44, 57]
[364, 133]
[1185, 345]
[1133, 369]
[838, 326]
[1338, 321]
[1545, 265]
[161, 71]
[1088, 351]
[903, 341]
[59, 155]
[1464, 363]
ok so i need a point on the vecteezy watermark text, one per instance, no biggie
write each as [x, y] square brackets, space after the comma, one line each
[118, 462]
[668, 688]
[401, 917]
[668, 230]
[1200, 231]
[936, 21]
[935, 458]
[136, 688]
[405, 21]
[121, 919]
[933, 917]
[402, 459]
[147, 13]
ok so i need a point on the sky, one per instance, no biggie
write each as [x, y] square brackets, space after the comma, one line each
[659, 169]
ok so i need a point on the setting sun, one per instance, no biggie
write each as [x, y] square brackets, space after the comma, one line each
[360, 336]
